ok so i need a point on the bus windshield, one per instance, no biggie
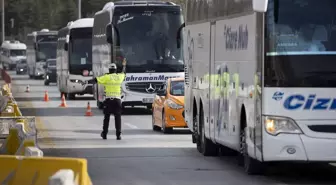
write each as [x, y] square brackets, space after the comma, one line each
[148, 38]
[46, 50]
[80, 52]
[17, 52]
[300, 43]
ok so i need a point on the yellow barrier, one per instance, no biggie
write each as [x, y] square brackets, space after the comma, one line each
[20, 134]
[34, 170]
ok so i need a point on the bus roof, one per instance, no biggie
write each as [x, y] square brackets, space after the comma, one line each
[110, 5]
[81, 23]
[13, 45]
[43, 32]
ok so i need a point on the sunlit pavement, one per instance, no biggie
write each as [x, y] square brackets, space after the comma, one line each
[143, 157]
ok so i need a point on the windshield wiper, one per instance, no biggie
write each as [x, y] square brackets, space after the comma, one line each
[320, 74]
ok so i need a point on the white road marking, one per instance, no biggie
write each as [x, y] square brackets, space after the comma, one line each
[131, 126]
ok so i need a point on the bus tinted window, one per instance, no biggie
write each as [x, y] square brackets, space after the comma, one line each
[300, 46]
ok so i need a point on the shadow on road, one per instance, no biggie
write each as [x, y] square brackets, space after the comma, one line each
[74, 111]
[187, 161]
[112, 132]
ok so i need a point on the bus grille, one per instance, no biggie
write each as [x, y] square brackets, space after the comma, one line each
[142, 87]
[323, 128]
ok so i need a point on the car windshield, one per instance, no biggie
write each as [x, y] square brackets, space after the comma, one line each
[23, 62]
[148, 38]
[177, 88]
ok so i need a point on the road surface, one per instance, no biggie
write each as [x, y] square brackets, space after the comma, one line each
[143, 157]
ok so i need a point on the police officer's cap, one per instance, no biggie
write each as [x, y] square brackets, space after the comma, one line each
[112, 66]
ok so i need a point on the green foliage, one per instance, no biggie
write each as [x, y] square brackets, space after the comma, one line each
[31, 15]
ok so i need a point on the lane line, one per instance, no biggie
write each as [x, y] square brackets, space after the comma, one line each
[131, 126]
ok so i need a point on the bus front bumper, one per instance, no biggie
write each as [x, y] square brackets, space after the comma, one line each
[79, 87]
[298, 147]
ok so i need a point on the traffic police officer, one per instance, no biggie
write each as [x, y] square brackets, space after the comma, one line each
[112, 105]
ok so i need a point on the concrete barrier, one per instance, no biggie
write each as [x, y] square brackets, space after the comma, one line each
[33, 151]
[63, 177]
[42, 170]
[22, 133]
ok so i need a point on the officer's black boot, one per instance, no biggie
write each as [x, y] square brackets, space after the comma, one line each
[118, 135]
[103, 135]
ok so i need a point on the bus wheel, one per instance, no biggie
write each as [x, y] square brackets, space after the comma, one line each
[207, 147]
[251, 166]
[100, 105]
[71, 96]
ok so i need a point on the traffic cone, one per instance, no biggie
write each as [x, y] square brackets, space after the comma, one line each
[88, 110]
[63, 104]
[27, 89]
[46, 96]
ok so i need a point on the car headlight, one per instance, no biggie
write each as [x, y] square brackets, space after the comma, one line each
[275, 125]
[9, 109]
[173, 105]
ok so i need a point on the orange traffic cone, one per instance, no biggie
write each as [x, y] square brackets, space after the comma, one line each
[27, 88]
[63, 104]
[46, 96]
[88, 110]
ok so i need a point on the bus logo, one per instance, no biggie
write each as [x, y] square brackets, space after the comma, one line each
[278, 96]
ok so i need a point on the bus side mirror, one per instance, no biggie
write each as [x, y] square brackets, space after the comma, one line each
[260, 5]
[178, 37]
[66, 46]
[108, 32]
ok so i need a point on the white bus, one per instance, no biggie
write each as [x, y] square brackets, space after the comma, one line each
[11, 53]
[74, 58]
[260, 79]
[41, 45]
[144, 34]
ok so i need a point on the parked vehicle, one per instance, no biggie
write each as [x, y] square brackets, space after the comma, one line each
[21, 67]
[50, 74]
[11, 53]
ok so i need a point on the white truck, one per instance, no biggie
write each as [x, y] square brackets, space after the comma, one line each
[12, 52]
[41, 46]
[144, 34]
[260, 80]
[74, 58]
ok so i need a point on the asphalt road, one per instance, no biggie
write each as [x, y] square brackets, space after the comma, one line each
[143, 157]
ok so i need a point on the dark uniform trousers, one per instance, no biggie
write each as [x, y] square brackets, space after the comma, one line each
[112, 106]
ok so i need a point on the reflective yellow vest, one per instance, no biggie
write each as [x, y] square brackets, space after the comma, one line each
[112, 84]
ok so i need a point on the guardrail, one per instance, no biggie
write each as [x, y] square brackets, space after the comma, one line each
[22, 161]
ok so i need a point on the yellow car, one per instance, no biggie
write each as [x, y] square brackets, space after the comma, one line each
[168, 107]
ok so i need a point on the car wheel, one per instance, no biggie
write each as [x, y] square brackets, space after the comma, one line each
[154, 127]
[100, 105]
[165, 129]
[46, 82]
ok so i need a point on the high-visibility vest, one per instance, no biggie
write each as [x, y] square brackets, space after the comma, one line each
[112, 84]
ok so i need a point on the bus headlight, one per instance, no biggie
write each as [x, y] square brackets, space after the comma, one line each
[275, 125]
[173, 105]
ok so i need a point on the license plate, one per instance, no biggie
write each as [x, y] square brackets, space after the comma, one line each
[147, 100]
[4, 129]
